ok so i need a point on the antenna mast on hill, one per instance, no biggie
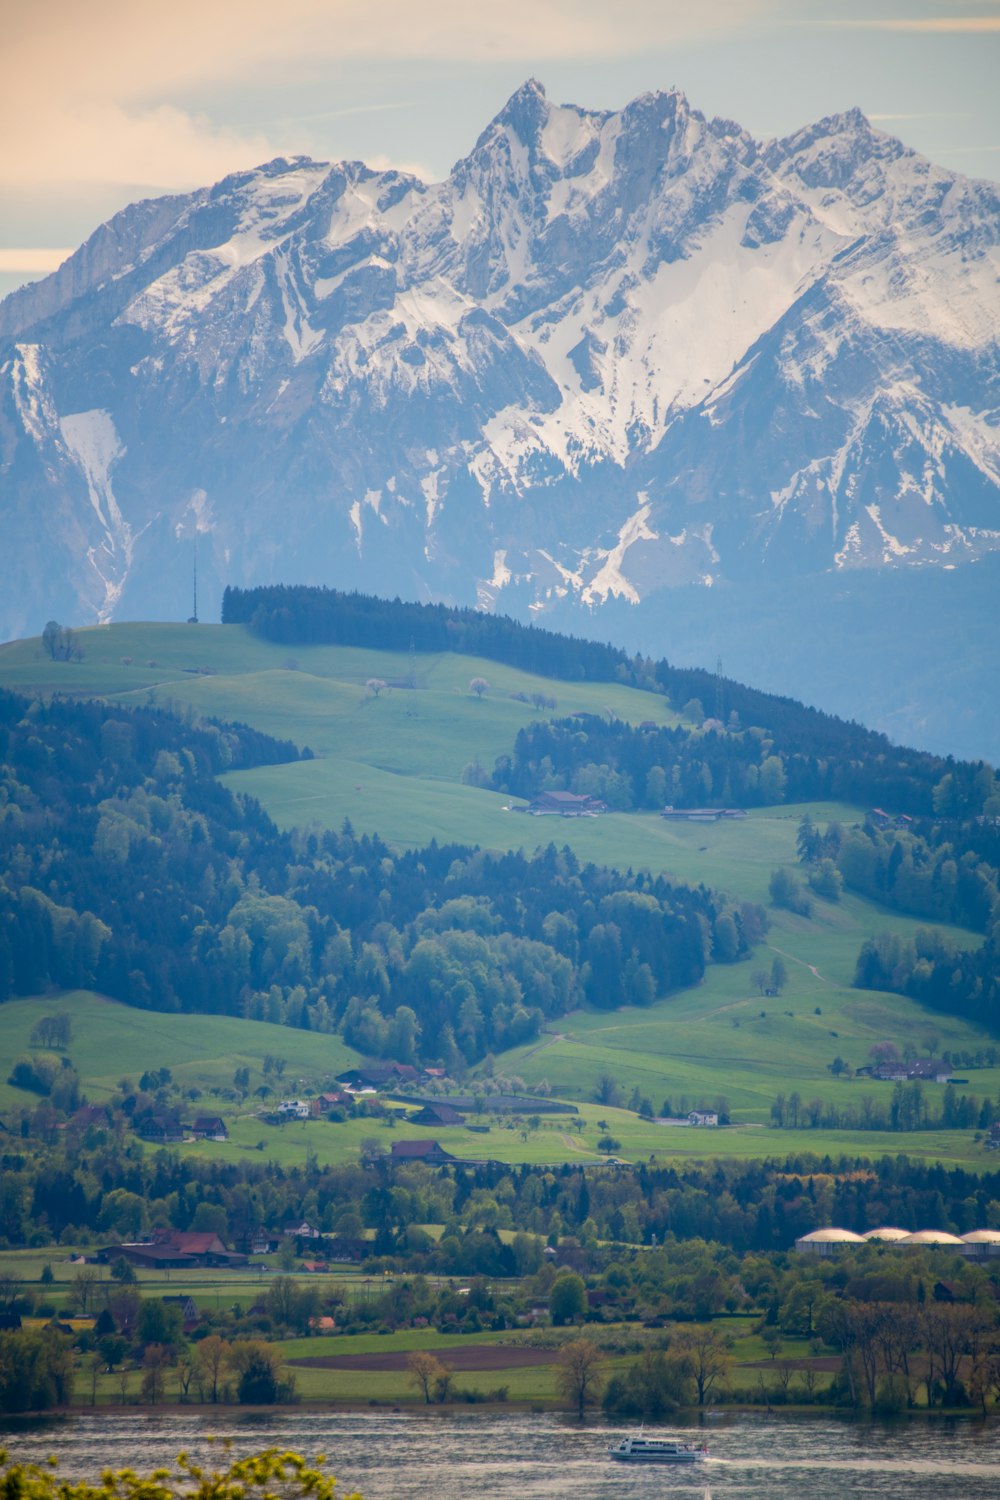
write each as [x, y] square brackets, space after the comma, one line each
[194, 614]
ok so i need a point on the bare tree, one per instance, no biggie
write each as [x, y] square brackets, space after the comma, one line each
[578, 1374]
[154, 1366]
[212, 1353]
[425, 1370]
[94, 1364]
[186, 1372]
[951, 1331]
[83, 1287]
[708, 1356]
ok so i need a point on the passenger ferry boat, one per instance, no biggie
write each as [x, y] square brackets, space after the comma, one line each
[657, 1450]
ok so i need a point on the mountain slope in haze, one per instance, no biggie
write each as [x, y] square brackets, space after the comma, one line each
[612, 354]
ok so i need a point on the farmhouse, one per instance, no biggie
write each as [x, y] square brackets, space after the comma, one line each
[891, 1072]
[172, 1247]
[703, 1117]
[925, 1070]
[426, 1151]
[161, 1129]
[335, 1099]
[378, 1076]
[300, 1229]
[436, 1114]
[262, 1242]
[929, 1069]
[294, 1109]
[701, 814]
[188, 1310]
[566, 805]
[209, 1128]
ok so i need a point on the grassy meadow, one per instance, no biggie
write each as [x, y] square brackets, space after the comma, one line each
[393, 764]
[685, 1048]
[112, 1041]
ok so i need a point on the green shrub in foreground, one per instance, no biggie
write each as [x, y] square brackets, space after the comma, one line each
[269, 1475]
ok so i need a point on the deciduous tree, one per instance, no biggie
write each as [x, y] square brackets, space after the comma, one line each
[425, 1371]
[578, 1374]
[708, 1357]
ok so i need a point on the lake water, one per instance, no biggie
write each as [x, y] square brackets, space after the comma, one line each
[512, 1456]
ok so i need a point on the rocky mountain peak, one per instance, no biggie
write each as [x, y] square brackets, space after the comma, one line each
[613, 352]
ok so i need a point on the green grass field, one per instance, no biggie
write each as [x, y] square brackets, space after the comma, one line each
[513, 1375]
[111, 1041]
[393, 764]
[724, 1038]
[686, 1048]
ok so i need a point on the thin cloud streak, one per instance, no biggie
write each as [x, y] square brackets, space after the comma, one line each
[956, 24]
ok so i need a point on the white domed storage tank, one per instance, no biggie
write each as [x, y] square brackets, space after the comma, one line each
[982, 1244]
[826, 1241]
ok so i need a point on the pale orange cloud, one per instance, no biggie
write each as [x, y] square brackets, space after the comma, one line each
[31, 262]
[89, 88]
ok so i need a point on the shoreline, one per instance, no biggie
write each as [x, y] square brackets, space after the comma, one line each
[689, 1417]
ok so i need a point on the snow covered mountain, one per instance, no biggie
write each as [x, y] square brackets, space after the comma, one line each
[612, 354]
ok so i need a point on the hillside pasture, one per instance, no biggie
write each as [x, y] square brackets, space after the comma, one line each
[725, 1039]
[393, 764]
[111, 1041]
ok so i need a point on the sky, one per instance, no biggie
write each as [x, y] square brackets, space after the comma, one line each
[103, 102]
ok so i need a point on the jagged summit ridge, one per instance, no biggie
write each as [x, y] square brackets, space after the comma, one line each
[612, 352]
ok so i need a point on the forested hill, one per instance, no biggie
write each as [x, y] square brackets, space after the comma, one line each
[303, 615]
[820, 755]
[126, 867]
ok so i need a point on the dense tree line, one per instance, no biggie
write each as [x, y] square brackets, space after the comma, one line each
[943, 872]
[102, 1187]
[932, 970]
[129, 869]
[905, 1107]
[630, 766]
[302, 615]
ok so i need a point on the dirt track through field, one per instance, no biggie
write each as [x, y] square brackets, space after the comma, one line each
[469, 1357]
[802, 963]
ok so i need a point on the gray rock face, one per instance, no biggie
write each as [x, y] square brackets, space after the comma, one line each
[612, 353]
